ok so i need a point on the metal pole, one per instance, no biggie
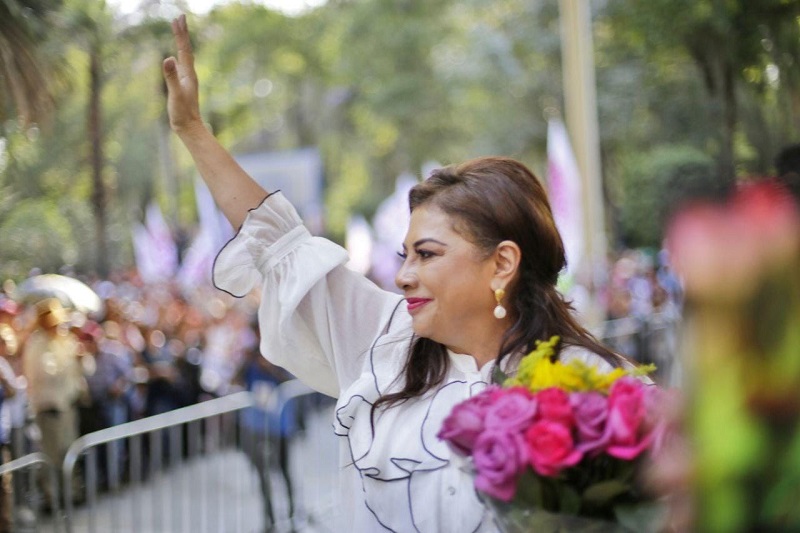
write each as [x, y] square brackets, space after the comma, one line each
[580, 102]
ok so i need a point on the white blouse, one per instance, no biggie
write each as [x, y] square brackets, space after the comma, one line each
[343, 336]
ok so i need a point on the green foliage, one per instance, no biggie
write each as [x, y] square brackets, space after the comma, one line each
[25, 91]
[35, 234]
[657, 182]
[383, 87]
[735, 48]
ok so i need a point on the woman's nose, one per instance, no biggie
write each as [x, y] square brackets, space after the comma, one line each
[405, 278]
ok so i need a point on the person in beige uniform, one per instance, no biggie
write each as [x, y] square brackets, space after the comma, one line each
[55, 379]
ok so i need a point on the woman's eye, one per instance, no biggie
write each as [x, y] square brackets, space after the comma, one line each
[402, 255]
[424, 254]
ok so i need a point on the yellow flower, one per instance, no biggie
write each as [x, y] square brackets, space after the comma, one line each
[547, 374]
[536, 363]
[538, 371]
[603, 382]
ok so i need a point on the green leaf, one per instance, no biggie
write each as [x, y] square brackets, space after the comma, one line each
[601, 493]
[569, 501]
[529, 491]
[650, 517]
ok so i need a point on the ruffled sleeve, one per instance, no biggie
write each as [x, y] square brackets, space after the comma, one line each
[317, 318]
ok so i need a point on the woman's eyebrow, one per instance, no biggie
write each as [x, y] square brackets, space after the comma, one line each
[423, 241]
[426, 240]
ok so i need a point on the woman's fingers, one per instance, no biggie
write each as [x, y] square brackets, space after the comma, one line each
[181, 79]
[170, 73]
[180, 31]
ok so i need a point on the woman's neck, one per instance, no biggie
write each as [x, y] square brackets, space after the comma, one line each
[483, 348]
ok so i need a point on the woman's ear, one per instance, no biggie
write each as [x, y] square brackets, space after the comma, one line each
[507, 257]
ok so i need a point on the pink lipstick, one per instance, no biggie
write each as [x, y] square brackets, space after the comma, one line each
[416, 303]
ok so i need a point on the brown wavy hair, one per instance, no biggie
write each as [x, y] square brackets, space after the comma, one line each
[490, 200]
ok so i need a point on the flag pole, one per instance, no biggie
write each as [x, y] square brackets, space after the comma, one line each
[580, 106]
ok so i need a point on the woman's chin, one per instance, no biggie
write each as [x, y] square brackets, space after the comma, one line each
[422, 330]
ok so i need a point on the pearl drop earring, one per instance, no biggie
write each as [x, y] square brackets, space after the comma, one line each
[499, 311]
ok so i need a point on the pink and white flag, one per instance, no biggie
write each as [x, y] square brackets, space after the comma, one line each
[564, 190]
[154, 248]
[195, 269]
[212, 233]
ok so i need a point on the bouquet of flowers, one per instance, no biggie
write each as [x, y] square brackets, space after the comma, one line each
[558, 447]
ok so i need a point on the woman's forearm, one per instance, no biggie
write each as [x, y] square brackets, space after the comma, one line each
[234, 191]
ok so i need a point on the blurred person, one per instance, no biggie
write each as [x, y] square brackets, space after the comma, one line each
[111, 380]
[170, 384]
[173, 381]
[136, 335]
[480, 264]
[55, 380]
[221, 354]
[620, 329]
[641, 287]
[8, 390]
[619, 293]
[108, 378]
[13, 422]
[268, 426]
[137, 398]
[671, 284]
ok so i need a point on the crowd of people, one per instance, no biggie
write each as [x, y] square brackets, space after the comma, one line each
[64, 373]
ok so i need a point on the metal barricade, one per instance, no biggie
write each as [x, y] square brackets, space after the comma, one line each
[197, 469]
[26, 513]
[159, 472]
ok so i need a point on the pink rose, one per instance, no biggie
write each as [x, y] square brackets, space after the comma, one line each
[553, 404]
[466, 421]
[499, 457]
[591, 413]
[626, 414]
[550, 447]
[512, 410]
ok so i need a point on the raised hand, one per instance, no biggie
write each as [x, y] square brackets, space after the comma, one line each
[234, 191]
[183, 104]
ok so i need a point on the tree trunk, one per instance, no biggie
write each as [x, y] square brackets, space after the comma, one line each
[99, 195]
[710, 53]
[727, 166]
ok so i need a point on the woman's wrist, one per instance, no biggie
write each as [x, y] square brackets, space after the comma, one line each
[192, 131]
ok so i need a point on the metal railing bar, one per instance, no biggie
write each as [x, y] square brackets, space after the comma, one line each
[175, 507]
[25, 461]
[153, 471]
[91, 487]
[135, 477]
[224, 404]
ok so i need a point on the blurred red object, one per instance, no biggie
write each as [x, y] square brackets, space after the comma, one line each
[722, 250]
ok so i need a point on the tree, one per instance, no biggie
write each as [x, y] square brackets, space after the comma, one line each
[726, 39]
[25, 73]
[91, 21]
[657, 182]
